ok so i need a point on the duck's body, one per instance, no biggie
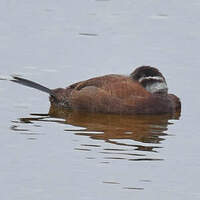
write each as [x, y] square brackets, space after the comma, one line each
[143, 92]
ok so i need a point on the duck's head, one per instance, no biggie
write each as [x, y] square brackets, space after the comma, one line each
[151, 79]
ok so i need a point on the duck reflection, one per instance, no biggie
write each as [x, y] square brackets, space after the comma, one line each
[115, 128]
[125, 132]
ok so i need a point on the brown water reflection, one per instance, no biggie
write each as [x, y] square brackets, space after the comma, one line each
[127, 134]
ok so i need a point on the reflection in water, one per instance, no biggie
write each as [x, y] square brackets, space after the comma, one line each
[134, 138]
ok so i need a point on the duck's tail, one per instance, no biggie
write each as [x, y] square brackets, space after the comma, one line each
[32, 84]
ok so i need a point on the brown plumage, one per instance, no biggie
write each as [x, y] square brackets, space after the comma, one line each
[143, 92]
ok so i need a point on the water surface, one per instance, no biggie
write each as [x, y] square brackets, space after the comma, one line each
[51, 154]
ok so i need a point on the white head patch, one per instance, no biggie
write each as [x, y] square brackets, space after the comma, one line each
[151, 78]
[157, 84]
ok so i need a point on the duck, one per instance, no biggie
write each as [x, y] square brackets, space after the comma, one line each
[144, 91]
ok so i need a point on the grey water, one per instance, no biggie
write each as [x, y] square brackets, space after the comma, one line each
[49, 154]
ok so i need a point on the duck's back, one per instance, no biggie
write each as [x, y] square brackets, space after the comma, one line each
[112, 94]
[114, 85]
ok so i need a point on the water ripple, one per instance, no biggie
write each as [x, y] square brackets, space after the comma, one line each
[115, 137]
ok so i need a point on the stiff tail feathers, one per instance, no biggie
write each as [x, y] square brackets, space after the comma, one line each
[32, 84]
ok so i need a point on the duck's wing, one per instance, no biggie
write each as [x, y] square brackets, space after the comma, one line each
[108, 94]
[115, 85]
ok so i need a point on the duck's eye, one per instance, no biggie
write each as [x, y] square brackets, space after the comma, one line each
[143, 76]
